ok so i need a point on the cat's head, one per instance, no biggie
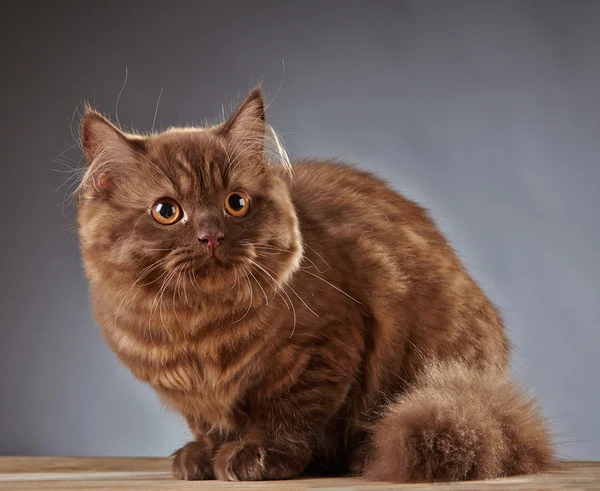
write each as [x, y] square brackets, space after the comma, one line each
[194, 209]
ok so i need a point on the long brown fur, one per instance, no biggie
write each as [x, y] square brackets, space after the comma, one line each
[334, 330]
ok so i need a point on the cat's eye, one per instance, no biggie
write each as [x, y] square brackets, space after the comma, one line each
[237, 204]
[166, 211]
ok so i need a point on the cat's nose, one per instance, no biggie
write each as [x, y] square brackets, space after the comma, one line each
[211, 239]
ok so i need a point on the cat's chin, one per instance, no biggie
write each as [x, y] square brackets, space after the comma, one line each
[212, 274]
[211, 267]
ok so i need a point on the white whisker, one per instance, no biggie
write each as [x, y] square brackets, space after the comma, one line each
[251, 298]
[119, 98]
[260, 286]
[156, 109]
[281, 290]
[333, 286]
[294, 292]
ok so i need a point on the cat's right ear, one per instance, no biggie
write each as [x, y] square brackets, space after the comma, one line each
[105, 148]
[247, 125]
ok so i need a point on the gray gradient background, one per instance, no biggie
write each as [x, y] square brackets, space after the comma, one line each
[486, 112]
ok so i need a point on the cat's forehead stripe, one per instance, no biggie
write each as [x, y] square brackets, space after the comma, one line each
[183, 162]
[187, 175]
[197, 168]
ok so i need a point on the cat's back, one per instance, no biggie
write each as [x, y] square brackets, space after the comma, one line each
[358, 222]
[350, 202]
[330, 182]
[388, 252]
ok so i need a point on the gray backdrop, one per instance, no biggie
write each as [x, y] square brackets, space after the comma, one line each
[486, 112]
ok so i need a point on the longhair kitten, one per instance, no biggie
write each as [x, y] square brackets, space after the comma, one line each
[302, 318]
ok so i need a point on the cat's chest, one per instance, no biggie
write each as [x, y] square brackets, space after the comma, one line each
[189, 376]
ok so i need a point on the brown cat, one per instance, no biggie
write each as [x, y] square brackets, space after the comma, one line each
[303, 318]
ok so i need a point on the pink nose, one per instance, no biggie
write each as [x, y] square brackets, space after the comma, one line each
[211, 239]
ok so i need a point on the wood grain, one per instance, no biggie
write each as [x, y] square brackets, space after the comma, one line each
[79, 474]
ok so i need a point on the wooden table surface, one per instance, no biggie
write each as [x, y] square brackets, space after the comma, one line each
[54, 473]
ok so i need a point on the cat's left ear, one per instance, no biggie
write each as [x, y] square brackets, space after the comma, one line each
[99, 136]
[247, 125]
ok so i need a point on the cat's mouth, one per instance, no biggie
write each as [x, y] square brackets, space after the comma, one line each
[202, 265]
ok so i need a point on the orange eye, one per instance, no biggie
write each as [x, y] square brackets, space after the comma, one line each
[237, 204]
[166, 211]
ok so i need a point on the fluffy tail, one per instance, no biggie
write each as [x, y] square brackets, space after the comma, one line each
[460, 424]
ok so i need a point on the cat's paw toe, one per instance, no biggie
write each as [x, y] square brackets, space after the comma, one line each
[239, 461]
[192, 462]
[253, 461]
[357, 463]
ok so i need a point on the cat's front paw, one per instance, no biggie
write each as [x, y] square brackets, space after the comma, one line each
[239, 461]
[358, 461]
[249, 461]
[192, 462]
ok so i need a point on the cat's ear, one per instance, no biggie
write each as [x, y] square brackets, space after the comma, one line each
[99, 136]
[247, 125]
[106, 148]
